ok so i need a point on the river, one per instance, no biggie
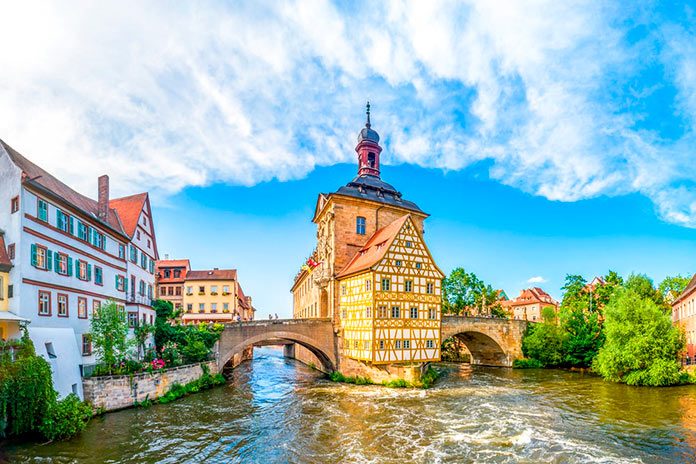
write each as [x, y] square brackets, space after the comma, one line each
[277, 411]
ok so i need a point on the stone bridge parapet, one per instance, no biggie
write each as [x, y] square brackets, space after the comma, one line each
[491, 341]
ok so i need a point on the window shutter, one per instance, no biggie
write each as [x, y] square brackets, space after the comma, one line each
[72, 225]
[59, 214]
[77, 267]
[70, 260]
[33, 254]
[125, 284]
[116, 278]
[49, 260]
[89, 272]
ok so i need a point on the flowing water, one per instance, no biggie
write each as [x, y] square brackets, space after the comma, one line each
[277, 410]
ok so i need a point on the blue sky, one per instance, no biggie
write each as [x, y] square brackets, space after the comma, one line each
[544, 137]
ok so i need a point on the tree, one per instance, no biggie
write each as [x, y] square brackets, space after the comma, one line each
[603, 293]
[464, 291]
[544, 342]
[643, 286]
[675, 285]
[642, 346]
[110, 334]
[574, 289]
[142, 332]
[583, 335]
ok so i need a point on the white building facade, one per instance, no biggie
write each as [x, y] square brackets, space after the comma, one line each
[70, 256]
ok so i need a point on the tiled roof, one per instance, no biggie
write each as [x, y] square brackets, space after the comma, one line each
[129, 209]
[241, 297]
[5, 263]
[375, 189]
[530, 296]
[173, 263]
[42, 179]
[212, 274]
[375, 248]
[690, 287]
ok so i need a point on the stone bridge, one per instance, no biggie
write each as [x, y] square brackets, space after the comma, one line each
[317, 335]
[491, 341]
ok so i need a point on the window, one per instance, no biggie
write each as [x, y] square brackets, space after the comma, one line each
[120, 283]
[61, 264]
[149, 291]
[429, 288]
[385, 285]
[368, 312]
[143, 260]
[81, 231]
[382, 312]
[2, 289]
[407, 344]
[189, 290]
[225, 307]
[408, 244]
[86, 344]
[98, 239]
[397, 344]
[50, 351]
[429, 344]
[368, 285]
[137, 234]
[62, 221]
[213, 289]
[62, 305]
[189, 307]
[40, 257]
[141, 288]
[98, 275]
[395, 312]
[132, 319]
[14, 205]
[398, 262]
[201, 307]
[381, 344]
[96, 306]
[418, 265]
[82, 308]
[414, 313]
[167, 273]
[432, 313]
[344, 314]
[149, 243]
[11, 251]
[152, 267]
[10, 291]
[44, 303]
[121, 251]
[42, 210]
[408, 286]
[144, 221]
[84, 270]
[133, 254]
[360, 225]
[201, 290]
[177, 273]
[213, 307]
[344, 290]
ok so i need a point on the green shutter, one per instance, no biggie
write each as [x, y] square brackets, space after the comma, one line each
[33, 254]
[70, 261]
[49, 259]
[72, 225]
[77, 267]
[125, 284]
[89, 272]
[59, 213]
[116, 280]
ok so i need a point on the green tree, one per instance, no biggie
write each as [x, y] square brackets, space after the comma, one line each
[110, 334]
[142, 332]
[603, 293]
[544, 342]
[642, 346]
[583, 334]
[643, 286]
[574, 289]
[675, 284]
[464, 291]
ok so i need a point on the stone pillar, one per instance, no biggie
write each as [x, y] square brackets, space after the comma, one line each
[289, 351]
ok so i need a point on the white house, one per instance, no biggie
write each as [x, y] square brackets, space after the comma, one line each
[69, 255]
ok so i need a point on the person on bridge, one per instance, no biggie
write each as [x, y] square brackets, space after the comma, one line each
[276, 316]
[270, 317]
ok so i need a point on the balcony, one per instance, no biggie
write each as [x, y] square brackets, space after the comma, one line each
[139, 299]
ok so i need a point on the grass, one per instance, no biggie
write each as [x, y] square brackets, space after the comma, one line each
[427, 380]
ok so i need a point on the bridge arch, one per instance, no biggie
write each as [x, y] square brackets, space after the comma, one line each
[315, 335]
[491, 342]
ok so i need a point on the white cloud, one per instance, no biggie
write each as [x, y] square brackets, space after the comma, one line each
[171, 95]
[536, 280]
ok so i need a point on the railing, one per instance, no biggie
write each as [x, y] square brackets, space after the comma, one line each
[139, 299]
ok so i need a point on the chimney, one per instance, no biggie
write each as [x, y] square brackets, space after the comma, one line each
[166, 256]
[103, 198]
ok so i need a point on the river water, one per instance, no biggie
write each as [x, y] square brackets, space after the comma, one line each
[277, 411]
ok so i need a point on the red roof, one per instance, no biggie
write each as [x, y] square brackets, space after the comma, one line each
[38, 177]
[173, 263]
[5, 263]
[375, 248]
[531, 295]
[129, 209]
[690, 287]
[212, 274]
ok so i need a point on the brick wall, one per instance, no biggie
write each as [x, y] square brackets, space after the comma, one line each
[121, 391]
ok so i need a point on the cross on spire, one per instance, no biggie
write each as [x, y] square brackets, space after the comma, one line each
[367, 124]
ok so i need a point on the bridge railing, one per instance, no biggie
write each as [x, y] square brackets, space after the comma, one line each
[267, 322]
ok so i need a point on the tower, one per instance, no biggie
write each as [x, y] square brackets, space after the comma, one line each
[368, 149]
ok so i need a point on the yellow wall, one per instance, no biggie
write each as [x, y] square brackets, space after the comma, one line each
[4, 301]
[357, 316]
[195, 298]
[7, 329]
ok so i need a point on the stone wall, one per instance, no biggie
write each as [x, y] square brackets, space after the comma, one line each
[122, 391]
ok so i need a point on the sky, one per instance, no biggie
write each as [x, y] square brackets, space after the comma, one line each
[543, 137]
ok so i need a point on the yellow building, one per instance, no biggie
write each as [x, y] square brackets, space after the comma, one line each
[391, 298]
[10, 323]
[371, 270]
[215, 296]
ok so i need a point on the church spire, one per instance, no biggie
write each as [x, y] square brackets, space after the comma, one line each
[368, 149]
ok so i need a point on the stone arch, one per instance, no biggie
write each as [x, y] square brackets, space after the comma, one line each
[484, 349]
[325, 359]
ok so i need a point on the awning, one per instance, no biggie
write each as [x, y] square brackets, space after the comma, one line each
[9, 316]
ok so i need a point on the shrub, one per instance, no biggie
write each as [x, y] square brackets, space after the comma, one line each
[429, 377]
[65, 418]
[195, 351]
[544, 342]
[398, 383]
[527, 363]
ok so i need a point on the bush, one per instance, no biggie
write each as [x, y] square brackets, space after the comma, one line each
[205, 382]
[65, 418]
[195, 351]
[527, 363]
[398, 383]
[429, 377]
[544, 342]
